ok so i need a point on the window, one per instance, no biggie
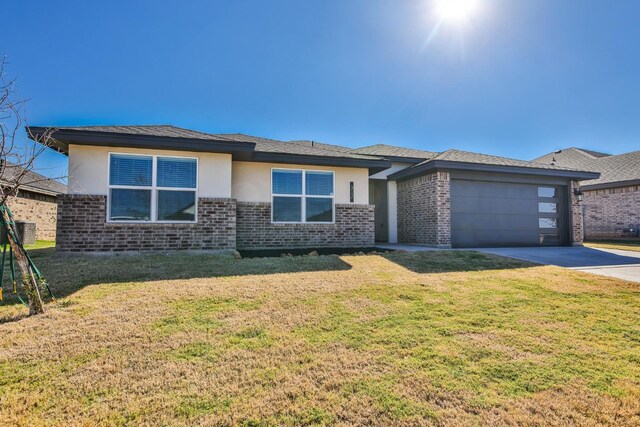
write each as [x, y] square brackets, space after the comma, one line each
[547, 207]
[302, 196]
[152, 188]
[548, 222]
[546, 192]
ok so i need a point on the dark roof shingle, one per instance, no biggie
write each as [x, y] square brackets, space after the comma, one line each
[487, 159]
[613, 168]
[31, 180]
[384, 150]
[264, 145]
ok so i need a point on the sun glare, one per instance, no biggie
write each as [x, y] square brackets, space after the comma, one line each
[456, 11]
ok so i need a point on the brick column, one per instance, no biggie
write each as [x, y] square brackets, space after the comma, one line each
[576, 216]
[424, 210]
[443, 197]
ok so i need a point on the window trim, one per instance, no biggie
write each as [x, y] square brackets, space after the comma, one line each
[153, 188]
[303, 196]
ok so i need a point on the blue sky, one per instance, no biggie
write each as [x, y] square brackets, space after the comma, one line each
[522, 78]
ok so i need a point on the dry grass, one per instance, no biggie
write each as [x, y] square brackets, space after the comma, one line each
[623, 245]
[437, 338]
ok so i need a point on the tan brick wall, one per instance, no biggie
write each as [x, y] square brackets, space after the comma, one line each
[43, 213]
[608, 212]
[424, 210]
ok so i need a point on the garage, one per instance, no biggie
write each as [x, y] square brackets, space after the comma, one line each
[494, 214]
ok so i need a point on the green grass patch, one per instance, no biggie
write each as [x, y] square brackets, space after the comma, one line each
[447, 338]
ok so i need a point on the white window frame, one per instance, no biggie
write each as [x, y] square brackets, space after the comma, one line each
[303, 196]
[153, 188]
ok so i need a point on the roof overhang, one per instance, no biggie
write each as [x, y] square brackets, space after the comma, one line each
[398, 159]
[33, 189]
[60, 139]
[451, 165]
[615, 184]
[373, 165]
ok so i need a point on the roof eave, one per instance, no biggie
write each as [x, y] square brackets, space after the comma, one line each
[33, 189]
[614, 184]
[62, 138]
[400, 159]
[373, 165]
[524, 170]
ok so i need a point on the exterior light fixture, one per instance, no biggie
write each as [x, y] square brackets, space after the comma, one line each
[579, 195]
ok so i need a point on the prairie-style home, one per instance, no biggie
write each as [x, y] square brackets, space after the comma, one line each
[149, 188]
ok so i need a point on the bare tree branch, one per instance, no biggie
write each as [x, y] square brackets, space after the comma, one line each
[17, 169]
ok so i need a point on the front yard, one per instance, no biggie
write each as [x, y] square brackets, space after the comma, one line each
[447, 338]
[620, 244]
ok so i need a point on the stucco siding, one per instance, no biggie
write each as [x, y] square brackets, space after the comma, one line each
[251, 181]
[89, 169]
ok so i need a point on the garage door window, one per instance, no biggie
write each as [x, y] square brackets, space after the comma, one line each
[549, 192]
[548, 223]
[545, 207]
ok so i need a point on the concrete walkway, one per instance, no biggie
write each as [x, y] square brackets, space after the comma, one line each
[623, 265]
[604, 262]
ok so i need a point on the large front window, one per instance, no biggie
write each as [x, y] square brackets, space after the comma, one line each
[152, 188]
[302, 196]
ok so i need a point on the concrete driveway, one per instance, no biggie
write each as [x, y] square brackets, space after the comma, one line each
[605, 262]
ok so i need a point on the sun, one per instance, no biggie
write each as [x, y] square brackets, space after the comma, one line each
[456, 11]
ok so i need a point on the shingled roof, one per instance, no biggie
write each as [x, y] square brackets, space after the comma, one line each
[615, 170]
[487, 159]
[31, 181]
[384, 150]
[465, 160]
[310, 148]
[261, 145]
[253, 148]
[167, 131]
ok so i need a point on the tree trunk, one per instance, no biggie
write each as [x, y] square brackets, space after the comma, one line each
[29, 282]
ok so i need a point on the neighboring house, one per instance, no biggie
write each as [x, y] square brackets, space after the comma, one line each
[163, 188]
[612, 202]
[36, 200]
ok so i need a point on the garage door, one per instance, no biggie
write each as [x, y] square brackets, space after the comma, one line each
[506, 214]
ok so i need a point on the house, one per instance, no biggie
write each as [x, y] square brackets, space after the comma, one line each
[36, 200]
[163, 187]
[612, 202]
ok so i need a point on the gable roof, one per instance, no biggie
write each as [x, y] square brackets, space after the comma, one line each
[31, 181]
[392, 151]
[465, 160]
[615, 170]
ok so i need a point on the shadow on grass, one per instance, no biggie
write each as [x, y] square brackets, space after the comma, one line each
[67, 274]
[453, 261]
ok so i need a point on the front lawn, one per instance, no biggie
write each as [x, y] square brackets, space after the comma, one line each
[446, 338]
[624, 245]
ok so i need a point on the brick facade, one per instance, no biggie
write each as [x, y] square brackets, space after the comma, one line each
[82, 227]
[354, 227]
[43, 213]
[424, 210]
[577, 220]
[609, 211]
